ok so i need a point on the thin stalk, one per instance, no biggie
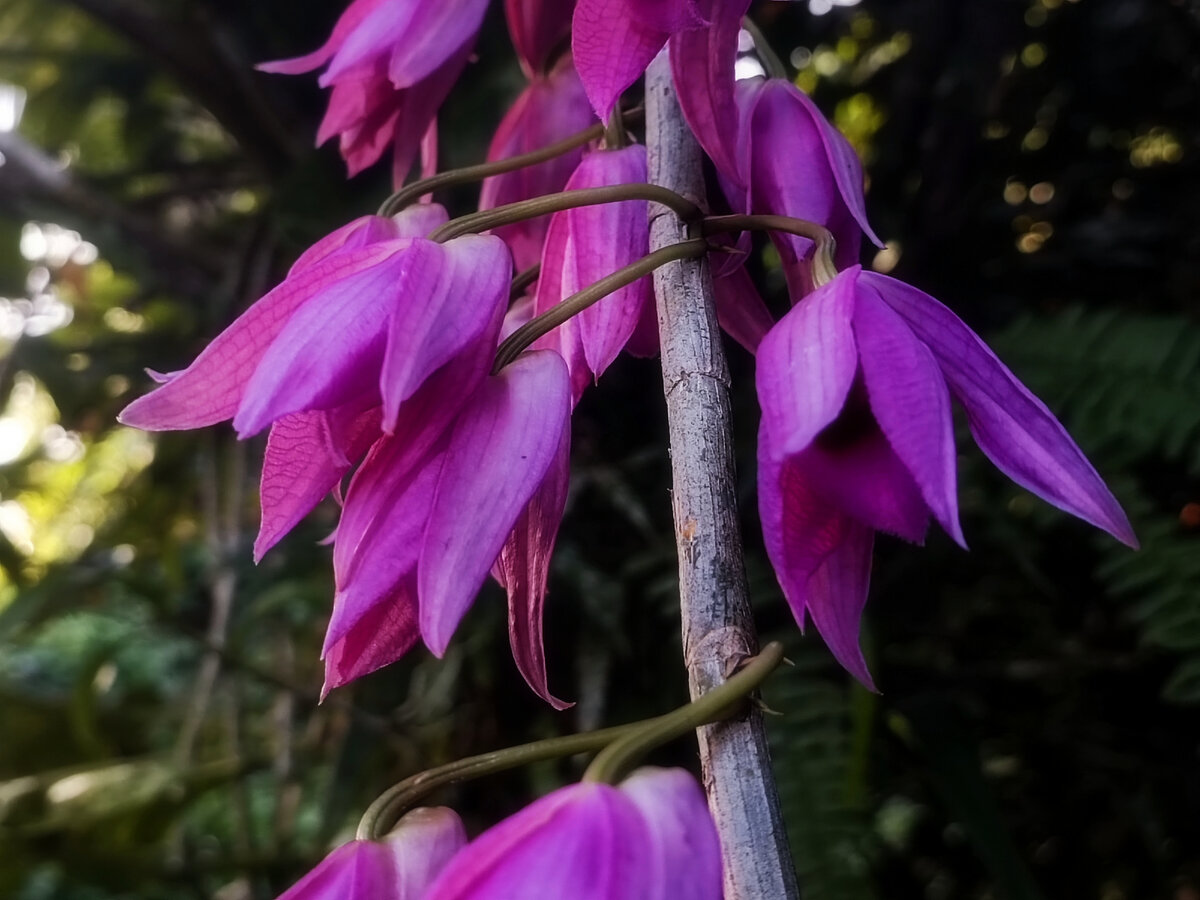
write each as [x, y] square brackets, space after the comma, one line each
[552, 203]
[470, 174]
[578, 302]
[524, 279]
[619, 757]
[824, 269]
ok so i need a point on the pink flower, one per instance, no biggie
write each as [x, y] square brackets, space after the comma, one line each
[391, 63]
[856, 437]
[398, 867]
[651, 838]
[551, 107]
[432, 506]
[537, 28]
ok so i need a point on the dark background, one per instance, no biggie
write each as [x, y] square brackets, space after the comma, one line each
[1034, 165]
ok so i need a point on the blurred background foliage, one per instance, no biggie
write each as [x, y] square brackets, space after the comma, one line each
[1034, 163]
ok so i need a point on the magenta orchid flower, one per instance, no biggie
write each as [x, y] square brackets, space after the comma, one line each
[400, 866]
[551, 107]
[537, 27]
[432, 506]
[856, 437]
[650, 838]
[399, 305]
[390, 63]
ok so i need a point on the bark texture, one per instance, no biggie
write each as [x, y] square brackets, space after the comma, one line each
[718, 629]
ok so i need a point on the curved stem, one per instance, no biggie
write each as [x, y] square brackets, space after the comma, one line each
[824, 269]
[382, 814]
[552, 203]
[524, 279]
[470, 174]
[516, 342]
[616, 759]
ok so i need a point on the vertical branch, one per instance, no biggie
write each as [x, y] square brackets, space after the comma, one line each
[718, 628]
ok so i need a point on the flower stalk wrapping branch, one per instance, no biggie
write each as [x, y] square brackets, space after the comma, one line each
[824, 269]
[621, 746]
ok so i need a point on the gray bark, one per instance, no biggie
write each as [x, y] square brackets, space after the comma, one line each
[718, 628]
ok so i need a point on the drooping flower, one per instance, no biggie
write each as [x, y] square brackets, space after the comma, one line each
[856, 437]
[391, 63]
[432, 506]
[552, 107]
[650, 838]
[400, 866]
[537, 27]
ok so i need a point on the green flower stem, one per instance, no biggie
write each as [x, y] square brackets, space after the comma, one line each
[470, 174]
[765, 52]
[516, 342]
[400, 797]
[524, 279]
[552, 203]
[824, 269]
[619, 757]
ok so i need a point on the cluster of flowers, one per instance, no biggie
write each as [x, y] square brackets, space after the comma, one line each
[649, 838]
[374, 354]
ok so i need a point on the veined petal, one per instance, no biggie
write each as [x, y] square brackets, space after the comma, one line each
[684, 846]
[329, 352]
[806, 365]
[702, 65]
[911, 403]
[449, 295]
[564, 340]
[549, 109]
[211, 388]
[502, 445]
[604, 238]
[523, 566]
[536, 27]
[418, 107]
[306, 457]
[381, 635]
[421, 844]
[740, 308]
[585, 841]
[613, 44]
[836, 595]
[1012, 426]
[367, 230]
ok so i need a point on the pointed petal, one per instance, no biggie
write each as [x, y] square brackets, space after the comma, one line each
[740, 308]
[547, 111]
[584, 841]
[384, 633]
[612, 47]
[311, 365]
[565, 340]
[421, 844]
[523, 566]
[604, 238]
[346, 24]
[306, 457]
[449, 296]
[682, 837]
[836, 596]
[419, 105]
[362, 232]
[806, 365]
[211, 388]
[1012, 426]
[498, 454]
[356, 869]
[702, 63]
[911, 403]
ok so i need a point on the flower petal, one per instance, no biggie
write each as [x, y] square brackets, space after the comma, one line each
[421, 844]
[911, 403]
[536, 28]
[498, 453]
[836, 595]
[806, 365]
[613, 44]
[740, 308]
[381, 635]
[356, 869]
[683, 840]
[1012, 426]
[347, 23]
[523, 566]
